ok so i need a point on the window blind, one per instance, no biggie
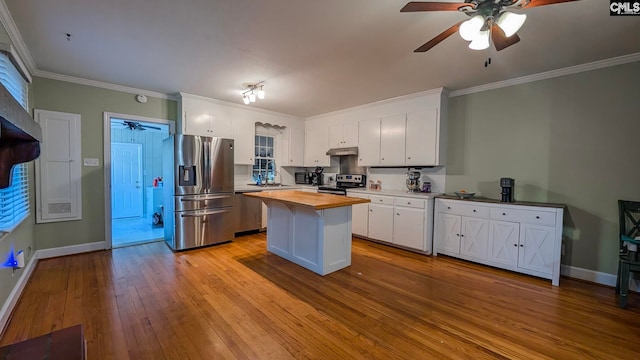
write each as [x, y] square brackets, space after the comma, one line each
[14, 200]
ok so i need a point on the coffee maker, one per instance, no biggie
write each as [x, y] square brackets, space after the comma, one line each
[507, 185]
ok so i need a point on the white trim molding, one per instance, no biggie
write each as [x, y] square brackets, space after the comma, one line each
[625, 59]
[14, 296]
[70, 250]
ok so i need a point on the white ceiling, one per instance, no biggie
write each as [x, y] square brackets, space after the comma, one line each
[314, 56]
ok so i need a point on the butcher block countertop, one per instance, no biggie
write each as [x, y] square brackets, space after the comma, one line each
[314, 200]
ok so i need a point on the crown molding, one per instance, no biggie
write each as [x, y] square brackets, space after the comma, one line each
[15, 37]
[620, 60]
[238, 106]
[104, 85]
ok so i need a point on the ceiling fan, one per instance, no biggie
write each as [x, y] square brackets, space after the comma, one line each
[134, 125]
[490, 21]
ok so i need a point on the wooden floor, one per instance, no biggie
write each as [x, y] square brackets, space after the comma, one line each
[237, 301]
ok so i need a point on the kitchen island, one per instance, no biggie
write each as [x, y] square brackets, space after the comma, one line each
[312, 230]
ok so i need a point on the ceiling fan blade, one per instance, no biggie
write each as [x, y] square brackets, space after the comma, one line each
[436, 40]
[500, 41]
[151, 127]
[534, 3]
[433, 6]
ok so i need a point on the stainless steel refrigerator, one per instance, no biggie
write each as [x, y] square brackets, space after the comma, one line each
[198, 196]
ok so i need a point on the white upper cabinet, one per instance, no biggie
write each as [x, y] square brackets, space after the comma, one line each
[199, 116]
[343, 134]
[392, 140]
[369, 143]
[422, 136]
[293, 148]
[316, 144]
[244, 131]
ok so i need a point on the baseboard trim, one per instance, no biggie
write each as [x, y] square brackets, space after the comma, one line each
[597, 277]
[70, 250]
[14, 296]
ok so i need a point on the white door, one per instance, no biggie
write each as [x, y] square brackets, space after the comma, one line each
[369, 142]
[474, 237]
[126, 181]
[503, 242]
[392, 140]
[422, 138]
[448, 235]
[381, 222]
[408, 228]
[536, 248]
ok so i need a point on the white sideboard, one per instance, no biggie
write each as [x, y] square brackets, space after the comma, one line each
[522, 237]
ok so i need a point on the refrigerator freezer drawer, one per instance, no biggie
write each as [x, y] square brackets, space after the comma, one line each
[201, 228]
[204, 201]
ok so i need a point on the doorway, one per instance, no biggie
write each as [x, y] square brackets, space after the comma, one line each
[133, 172]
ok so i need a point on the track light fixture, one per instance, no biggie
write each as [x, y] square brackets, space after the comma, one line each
[254, 91]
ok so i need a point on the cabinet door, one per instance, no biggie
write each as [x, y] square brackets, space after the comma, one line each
[503, 242]
[392, 141]
[360, 217]
[244, 141]
[536, 248]
[222, 127]
[448, 234]
[296, 147]
[316, 144]
[408, 228]
[381, 222]
[474, 237]
[422, 138]
[350, 134]
[369, 142]
[197, 117]
[335, 135]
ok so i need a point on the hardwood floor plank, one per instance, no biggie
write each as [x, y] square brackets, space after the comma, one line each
[237, 301]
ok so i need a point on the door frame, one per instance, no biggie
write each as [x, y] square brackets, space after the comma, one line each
[107, 116]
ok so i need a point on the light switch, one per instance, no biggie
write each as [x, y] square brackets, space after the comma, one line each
[91, 162]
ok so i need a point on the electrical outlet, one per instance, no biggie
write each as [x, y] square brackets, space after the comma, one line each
[91, 162]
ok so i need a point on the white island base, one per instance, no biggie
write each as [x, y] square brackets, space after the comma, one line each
[319, 240]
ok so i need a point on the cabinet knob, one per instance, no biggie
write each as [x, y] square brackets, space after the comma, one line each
[503, 214]
[537, 217]
[449, 207]
[462, 235]
[521, 245]
[474, 210]
[409, 157]
[516, 245]
[398, 214]
[457, 234]
[408, 202]
[370, 210]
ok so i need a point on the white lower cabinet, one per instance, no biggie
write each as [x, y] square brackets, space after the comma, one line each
[360, 217]
[381, 218]
[522, 238]
[403, 221]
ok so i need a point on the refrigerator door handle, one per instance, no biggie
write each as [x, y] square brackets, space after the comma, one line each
[204, 213]
[184, 199]
[206, 157]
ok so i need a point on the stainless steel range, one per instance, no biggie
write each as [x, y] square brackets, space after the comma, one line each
[344, 182]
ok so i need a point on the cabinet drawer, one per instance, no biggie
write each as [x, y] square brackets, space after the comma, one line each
[466, 209]
[377, 199]
[524, 216]
[408, 202]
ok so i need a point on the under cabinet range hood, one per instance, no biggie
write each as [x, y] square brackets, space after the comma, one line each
[343, 151]
[20, 136]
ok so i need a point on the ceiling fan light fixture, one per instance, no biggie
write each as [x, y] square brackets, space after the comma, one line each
[261, 93]
[252, 96]
[481, 42]
[470, 29]
[246, 100]
[510, 22]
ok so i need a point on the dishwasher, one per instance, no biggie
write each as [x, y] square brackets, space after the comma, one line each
[248, 213]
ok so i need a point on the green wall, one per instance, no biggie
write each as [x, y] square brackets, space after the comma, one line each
[571, 140]
[90, 102]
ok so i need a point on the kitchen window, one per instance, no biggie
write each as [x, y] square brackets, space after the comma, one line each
[264, 164]
[14, 200]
